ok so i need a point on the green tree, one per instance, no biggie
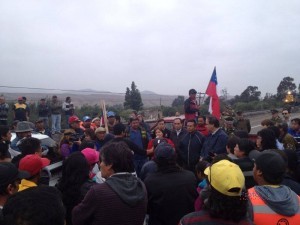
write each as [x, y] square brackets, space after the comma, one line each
[284, 86]
[250, 94]
[133, 99]
[179, 101]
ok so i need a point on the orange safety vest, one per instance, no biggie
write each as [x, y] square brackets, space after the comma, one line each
[264, 215]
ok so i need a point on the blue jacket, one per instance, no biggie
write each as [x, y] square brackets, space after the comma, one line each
[215, 143]
[190, 148]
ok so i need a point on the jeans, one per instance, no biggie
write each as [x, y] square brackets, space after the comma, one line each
[67, 122]
[56, 122]
[138, 164]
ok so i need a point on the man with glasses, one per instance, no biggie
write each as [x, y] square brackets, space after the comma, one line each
[286, 117]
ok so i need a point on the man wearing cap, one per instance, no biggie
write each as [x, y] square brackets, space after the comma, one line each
[227, 203]
[102, 137]
[68, 108]
[20, 110]
[191, 107]
[241, 123]
[4, 107]
[55, 107]
[95, 123]
[111, 121]
[228, 126]
[9, 182]
[275, 117]
[171, 190]
[92, 157]
[74, 123]
[33, 164]
[272, 202]
[40, 128]
[23, 130]
[86, 122]
[44, 112]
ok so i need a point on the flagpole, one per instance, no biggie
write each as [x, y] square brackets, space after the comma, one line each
[104, 115]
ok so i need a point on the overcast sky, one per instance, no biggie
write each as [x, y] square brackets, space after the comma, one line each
[166, 46]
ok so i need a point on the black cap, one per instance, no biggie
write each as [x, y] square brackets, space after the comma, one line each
[270, 163]
[10, 173]
[164, 150]
[192, 91]
[273, 111]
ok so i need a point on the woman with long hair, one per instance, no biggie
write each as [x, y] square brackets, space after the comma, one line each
[75, 182]
[266, 139]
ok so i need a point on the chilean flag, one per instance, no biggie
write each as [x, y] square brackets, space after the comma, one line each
[214, 103]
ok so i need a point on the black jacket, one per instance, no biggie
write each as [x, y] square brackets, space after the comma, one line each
[171, 195]
[190, 148]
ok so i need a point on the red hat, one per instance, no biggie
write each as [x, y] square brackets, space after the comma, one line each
[33, 164]
[73, 119]
[91, 155]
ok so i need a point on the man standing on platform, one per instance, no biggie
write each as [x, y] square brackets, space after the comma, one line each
[191, 108]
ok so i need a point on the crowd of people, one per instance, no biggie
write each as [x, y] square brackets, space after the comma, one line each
[203, 171]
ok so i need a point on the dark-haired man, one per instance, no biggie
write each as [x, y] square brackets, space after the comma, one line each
[9, 182]
[294, 129]
[20, 110]
[227, 203]
[177, 133]
[191, 107]
[276, 119]
[216, 142]
[272, 202]
[121, 199]
[241, 123]
[4, 107]
[44, 112]
[119, 135]
[171, 190]
[140, 137]
[162, 126]
[190, 147]
[35, 206]
[68, 108]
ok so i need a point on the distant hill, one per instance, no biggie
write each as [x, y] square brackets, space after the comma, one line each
[90, 97]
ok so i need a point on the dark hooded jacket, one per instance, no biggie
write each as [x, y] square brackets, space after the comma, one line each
[122, 199]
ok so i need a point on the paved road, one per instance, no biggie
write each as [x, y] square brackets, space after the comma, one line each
[256, 120]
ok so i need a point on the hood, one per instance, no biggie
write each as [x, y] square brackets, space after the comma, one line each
[282, 200]
[128, 187]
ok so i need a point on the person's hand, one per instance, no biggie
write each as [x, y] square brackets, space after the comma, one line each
[150, 151]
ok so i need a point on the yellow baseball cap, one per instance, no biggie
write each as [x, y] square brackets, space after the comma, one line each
[226, 177]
